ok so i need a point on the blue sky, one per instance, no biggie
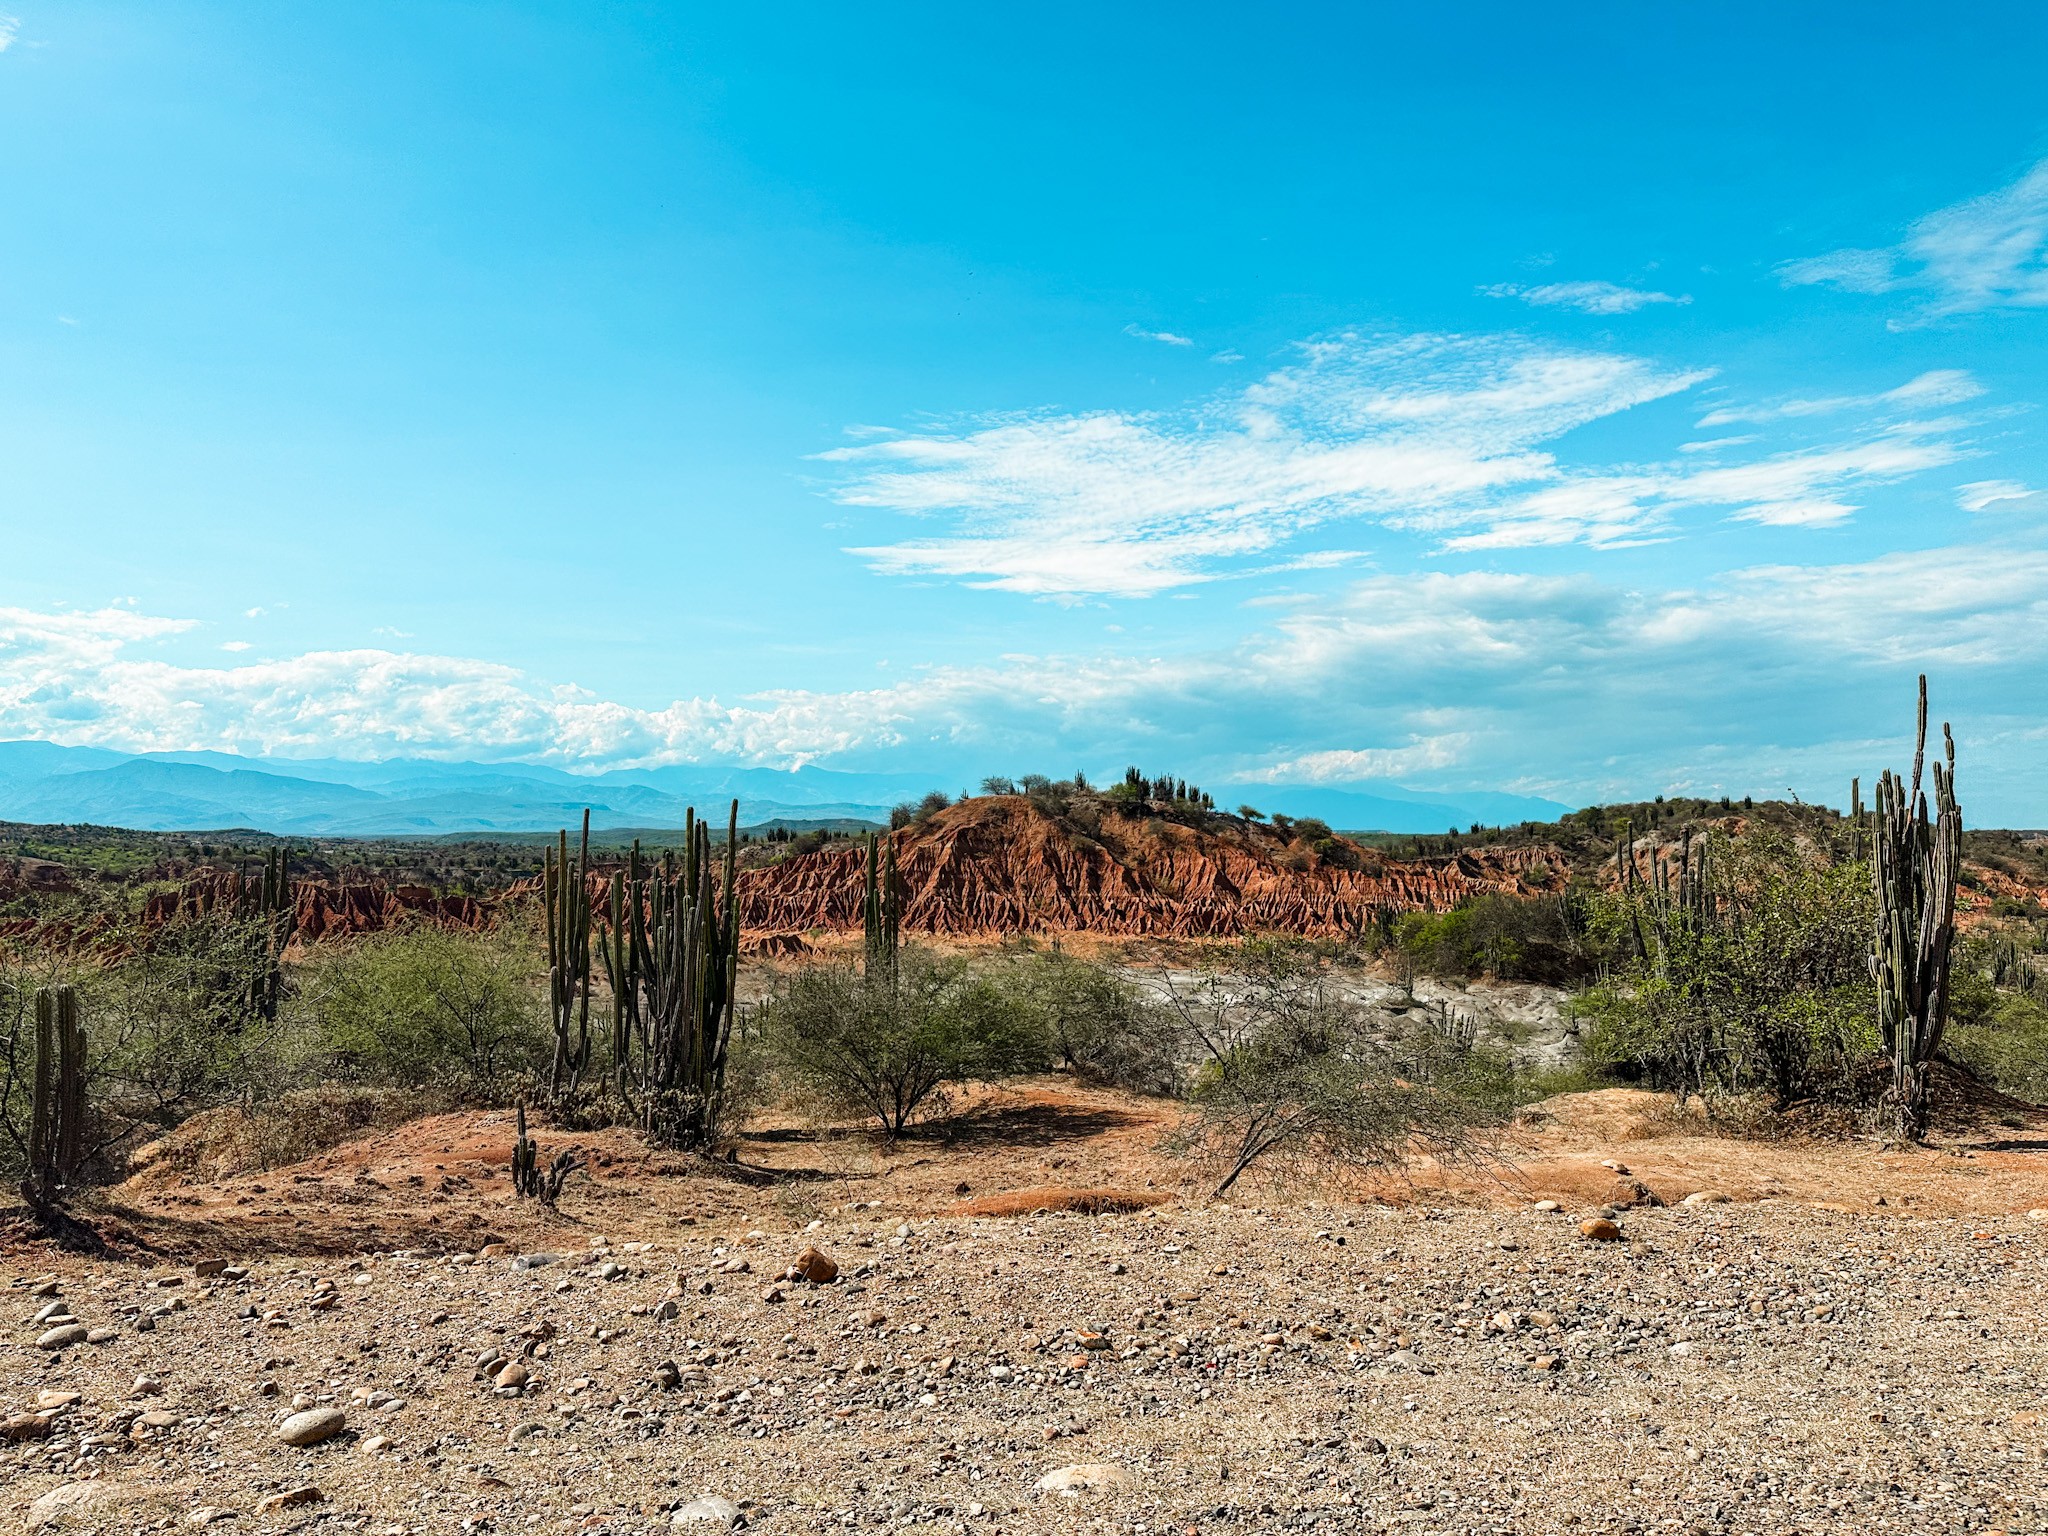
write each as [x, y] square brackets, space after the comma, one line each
[1588, 405]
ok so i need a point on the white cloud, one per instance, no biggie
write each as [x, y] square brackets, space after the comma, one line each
[10, 28]
[1806, 487]
[1347, 765]
[1227, 355]
[1937, 387]
[1592, 298]
[252, 613]
[1990, 252]
[1980, 494]
[84, 636]
[1443, 435]
[1425, 430]
[1168, 337]
[234, 645]
[1562, 684]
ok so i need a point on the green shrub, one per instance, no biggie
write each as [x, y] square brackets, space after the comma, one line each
[2007, 1046]
[890, 1051]
[1099, 1024]
[1295, 1075]
[1768, 989]
[168, 1024]
[1541, 938]
[423, 1008]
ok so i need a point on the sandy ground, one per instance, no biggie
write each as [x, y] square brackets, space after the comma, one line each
[1037, 1286]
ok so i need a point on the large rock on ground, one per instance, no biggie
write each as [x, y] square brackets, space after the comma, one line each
[816, 1266]
[90, 1506]
[1086, 1477]
[312, 1426]
[710, 1511]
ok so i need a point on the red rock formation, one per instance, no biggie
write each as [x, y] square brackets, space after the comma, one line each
[1001, 865]
[327, 911]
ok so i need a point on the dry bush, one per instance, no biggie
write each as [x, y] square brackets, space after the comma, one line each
[1300, 1080]
[235, 1138]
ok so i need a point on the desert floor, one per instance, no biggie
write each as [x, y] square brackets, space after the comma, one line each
[1833, 1336]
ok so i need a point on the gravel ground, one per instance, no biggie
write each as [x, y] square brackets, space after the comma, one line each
[1748, 1368]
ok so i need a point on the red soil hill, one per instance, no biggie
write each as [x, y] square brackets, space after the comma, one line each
[329, 911]
[1000, 864]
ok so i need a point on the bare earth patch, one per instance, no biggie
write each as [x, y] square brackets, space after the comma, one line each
[1432, 1353]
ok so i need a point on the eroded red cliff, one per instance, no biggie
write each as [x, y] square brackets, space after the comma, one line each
[1001, 865]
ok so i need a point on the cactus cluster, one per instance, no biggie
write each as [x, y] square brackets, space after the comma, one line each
[1676, 895]
[882, 913]
[670, 946]
[2013, 970]
[57, 1107]
[565, 891]
[529, 1180]
[1166, 789]
[1917, 860]
[268, 901]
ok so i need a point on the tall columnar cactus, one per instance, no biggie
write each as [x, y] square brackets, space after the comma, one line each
[1916, 863]
[565, 889]
[882, 912]
[525, 1158]
[1677, 903]
[671, 955]
[57, 1111]
[270, 902]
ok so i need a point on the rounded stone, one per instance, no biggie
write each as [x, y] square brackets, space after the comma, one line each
[709, 1510]
[1086, 1477]
[312, 1426]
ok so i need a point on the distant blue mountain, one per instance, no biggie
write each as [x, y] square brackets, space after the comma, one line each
[415, 797]
[212, 791]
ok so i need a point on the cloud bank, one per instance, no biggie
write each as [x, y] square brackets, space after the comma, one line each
[1556, 684]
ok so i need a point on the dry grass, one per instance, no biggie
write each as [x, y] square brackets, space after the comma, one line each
[1051, 1198]
[235, 1139]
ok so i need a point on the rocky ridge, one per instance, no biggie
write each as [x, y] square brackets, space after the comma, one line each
[1000, 864]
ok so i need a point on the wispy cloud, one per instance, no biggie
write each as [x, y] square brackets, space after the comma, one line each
[1428, 755]
[1981, 494]
[1448, 436]
[1168, 337]
[1990, 252]
[10, 28]
[1591, 298]
[1118, 503]
[1936, 388]
[1808, 488]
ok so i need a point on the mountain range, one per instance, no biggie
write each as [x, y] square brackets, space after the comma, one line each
[43, 782]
